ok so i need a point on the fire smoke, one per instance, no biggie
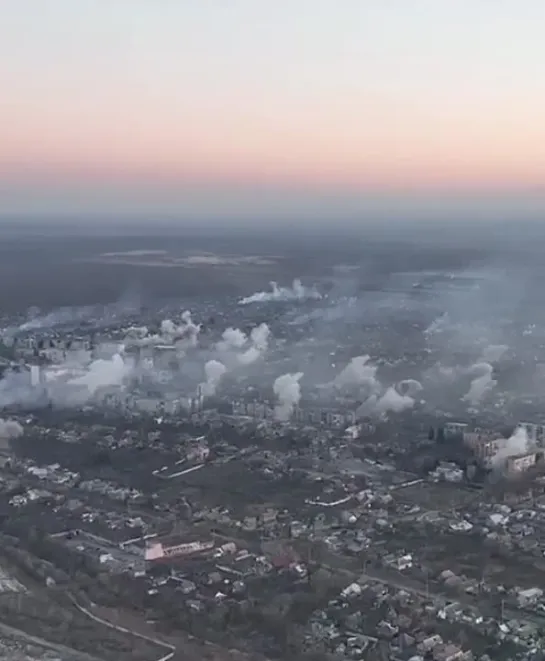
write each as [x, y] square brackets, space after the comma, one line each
[297, 292]
[213, 371]
[10, 429]
[288, 393]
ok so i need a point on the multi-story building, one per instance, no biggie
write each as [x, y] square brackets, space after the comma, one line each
[535, 432]
[313, 416]
[455, 429]
[520, 463]
[484, 445]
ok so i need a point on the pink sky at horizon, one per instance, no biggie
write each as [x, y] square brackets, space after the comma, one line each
[377, 96]
[411, 153]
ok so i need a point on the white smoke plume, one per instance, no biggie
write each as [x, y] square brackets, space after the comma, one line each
[246, 350]
[232, 339]
[297, 292]
[391, 401]
[67, 384]
[288, 393]
[104, 373]
[259, 339]
[358, 372]
[184, 335]
[249, 356]
[443, 377]
[187, 331]
[518, 443]
[10, 429]
[481, 384]
[214, 371]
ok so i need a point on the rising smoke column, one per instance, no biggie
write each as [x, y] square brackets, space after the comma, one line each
[184, 335]
[232, 339]
[16, 389]
[259, 339]
[288, 393]
[358, 373]
[103, 373]
[518, 443]
[186, 332]
[443, 377]
[297, 292]
[213, 371]
[235, 344]
[482, 372]
[391, 401]
[10, 429]
[481, 384]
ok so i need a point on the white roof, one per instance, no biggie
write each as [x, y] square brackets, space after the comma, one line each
[531, 592]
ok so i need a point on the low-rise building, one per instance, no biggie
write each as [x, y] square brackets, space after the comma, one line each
[529, 597]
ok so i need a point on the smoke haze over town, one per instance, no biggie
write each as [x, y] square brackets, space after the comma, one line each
[272, 330]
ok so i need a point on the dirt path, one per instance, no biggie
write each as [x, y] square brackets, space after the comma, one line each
[61, 649]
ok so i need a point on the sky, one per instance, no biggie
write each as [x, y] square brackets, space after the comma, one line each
[255, 108]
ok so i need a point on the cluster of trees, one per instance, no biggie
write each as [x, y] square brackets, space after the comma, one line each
[6, 352]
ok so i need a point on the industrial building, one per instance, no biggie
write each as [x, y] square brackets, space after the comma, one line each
[157, 551]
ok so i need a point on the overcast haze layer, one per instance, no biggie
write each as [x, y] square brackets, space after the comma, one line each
[315, 108]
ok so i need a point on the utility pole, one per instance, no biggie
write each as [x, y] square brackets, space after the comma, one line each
[427, 585]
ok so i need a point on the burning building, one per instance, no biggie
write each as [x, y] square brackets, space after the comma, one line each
[484, 444]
